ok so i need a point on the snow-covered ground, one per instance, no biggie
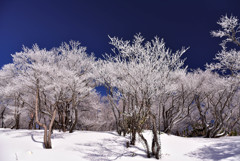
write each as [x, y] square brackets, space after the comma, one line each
[27, 145]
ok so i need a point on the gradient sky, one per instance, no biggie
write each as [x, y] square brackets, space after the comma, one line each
[50, 22]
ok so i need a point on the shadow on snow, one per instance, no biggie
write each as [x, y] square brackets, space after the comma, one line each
[108, 149]
[222, 150]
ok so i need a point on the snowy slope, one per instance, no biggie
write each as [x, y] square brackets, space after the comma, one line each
[26, 145]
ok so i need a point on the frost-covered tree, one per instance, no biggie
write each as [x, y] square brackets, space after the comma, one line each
[175, 105]
[11, 98]
[95, 114]
[58, 79]
[79, 74]
[33, 67]
[136, 74]
[212, 101]
[228, 61]
[230, 29]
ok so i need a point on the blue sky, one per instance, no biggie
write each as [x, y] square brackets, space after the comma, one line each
[50, 22]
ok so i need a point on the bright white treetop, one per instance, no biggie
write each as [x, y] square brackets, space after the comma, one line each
[140, 68]
[230, 29]
[228, 61]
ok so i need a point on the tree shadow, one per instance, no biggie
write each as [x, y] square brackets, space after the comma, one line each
[112, 133]
[7, 131]
[57, 135]
[108, 149]
[222, 150]
[33, 133]
[33, 139]
[22, 133]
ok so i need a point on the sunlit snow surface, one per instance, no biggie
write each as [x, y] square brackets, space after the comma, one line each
[26, 145]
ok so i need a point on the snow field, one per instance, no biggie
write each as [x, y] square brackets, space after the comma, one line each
[27, 145]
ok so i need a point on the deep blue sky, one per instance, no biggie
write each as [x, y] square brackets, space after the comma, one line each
[50, 22]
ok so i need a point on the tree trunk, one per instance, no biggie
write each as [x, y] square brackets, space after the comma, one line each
[110, 94]
[63, 123]
[159, 119]
[155, 142]
[17, 121]
[133, 138]
[75, 121]
[45, 142]
[124, 121]
[46, 139]
[133, 130]
[146, 144]
[31, 122]
[49, 133]
[2, 116]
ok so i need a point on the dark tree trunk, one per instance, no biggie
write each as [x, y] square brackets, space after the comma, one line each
[146, 144]
[2, 116]
[75, 121]
[63, 123]
[133, 138]
[159, 119]
[31, 122]
[155, 142]
[17, 121]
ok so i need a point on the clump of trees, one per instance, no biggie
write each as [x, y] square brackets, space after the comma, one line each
[137, 75]
[148, 87]
[46, 83]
